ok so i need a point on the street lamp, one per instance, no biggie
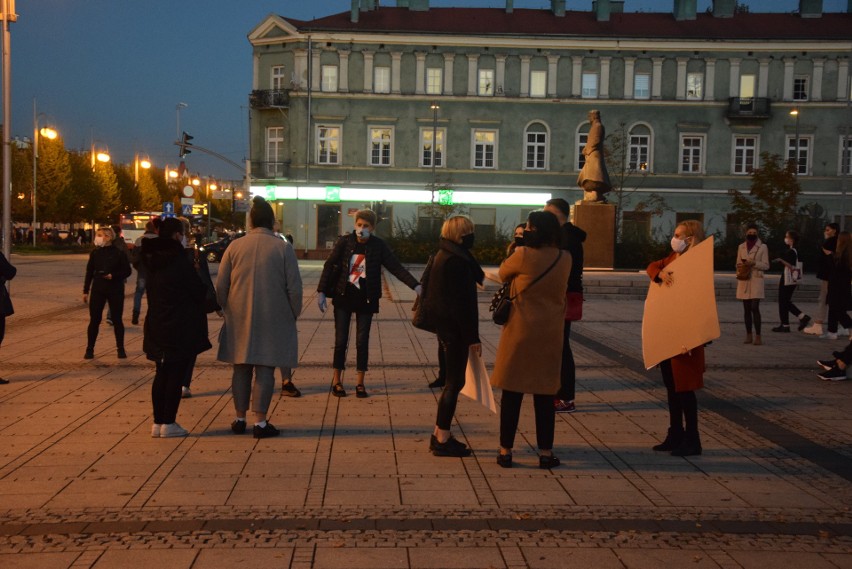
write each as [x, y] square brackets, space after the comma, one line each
[795, 113]
[50, 134]
[435, 108]
[178, 107]
[211, 187]
[143, 163]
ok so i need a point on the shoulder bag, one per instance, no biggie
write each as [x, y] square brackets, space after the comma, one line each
[793, 276]
[421, 318]
[501, 304]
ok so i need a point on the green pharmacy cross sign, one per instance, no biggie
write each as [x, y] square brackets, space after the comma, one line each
[332, 193]
[445, 196]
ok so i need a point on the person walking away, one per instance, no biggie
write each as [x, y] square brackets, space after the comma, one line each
[136, 262]
[789, 260]
[826, 264]
[352, 277]
[839, 292]
[752, 260]
[260, 290]
[106, 272]
[571, 240]
[682, 374]
[7, 273]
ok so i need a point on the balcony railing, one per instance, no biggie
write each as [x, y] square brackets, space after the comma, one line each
[748, 108]
[269, 99]
[270, 170]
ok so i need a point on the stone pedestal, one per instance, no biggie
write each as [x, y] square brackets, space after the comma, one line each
[598, 221]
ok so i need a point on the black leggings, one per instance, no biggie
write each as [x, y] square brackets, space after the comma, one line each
[838, 316]
[567, 389]
[751, 312]
[683, 406]
[165, 390]
[97, 301]
[785, 303]
[510, 414]
[455, 355]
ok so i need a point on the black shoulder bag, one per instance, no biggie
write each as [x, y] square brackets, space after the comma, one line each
[421, 318]
[501, 304]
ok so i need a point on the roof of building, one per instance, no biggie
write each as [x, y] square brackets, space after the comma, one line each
[527, 22]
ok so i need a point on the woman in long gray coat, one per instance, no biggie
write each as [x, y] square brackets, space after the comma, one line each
[753, 258]
[260, 290]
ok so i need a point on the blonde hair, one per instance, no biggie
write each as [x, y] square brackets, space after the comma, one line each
[108, 232]
[694, 229]
[456, 227]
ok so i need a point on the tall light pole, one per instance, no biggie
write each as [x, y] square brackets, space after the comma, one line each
[435, 108]
[8, 16]
[46, 132]
[143, 163]
[178, 107]
[795, 113]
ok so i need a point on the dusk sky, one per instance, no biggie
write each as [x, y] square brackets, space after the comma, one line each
[113, 71]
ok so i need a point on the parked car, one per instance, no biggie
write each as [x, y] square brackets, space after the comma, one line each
[214, 251]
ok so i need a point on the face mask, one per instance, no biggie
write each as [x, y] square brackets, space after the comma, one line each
[519, 241]
[788, 242]
[364, 233]
[467, 241]
[530, 238]
[99, 241]
[751, 237]
[678, 245]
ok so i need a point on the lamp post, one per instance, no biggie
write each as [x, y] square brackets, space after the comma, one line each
[8, 16]
[795, 113]
[47, 133]
[144, 163]
[435, 108]
[211, 187]
[178, 107]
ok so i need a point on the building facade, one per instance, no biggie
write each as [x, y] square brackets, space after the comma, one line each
[486, 108]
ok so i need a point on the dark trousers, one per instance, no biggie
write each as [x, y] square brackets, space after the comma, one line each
[510, 414]
[683, 406]
[568, 383]
[187, 375]
[165, 391]
[138, 293]
[839, 315]
[751, 313]
[2, 328]
[363, 321]
[442, 364]
[455, 356]
[97, 301]
[785, 303]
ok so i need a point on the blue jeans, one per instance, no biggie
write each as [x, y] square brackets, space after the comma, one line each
[140, 291]
[363, 321]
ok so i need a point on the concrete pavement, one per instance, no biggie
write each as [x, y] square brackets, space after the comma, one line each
[351, 482]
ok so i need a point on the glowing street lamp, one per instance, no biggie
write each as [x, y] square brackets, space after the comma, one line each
[50, 134]
[795, 113]
[143, 163]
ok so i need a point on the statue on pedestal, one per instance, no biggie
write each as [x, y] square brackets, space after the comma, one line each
[593, 178]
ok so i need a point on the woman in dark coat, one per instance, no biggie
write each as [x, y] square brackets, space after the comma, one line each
[106, 271]
[352, 277]
[7, 273]
[839, 293]
[175, 325]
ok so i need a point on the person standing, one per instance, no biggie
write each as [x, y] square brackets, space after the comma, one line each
[682, 374]
[352, 277]
[826, 264]
[752, 260]
[136, 261]
[260, 290]
[7, 273]
[839, 293]
[571, 240]
[175, 329]
[119, 243]
[106, 272]
[789, 259]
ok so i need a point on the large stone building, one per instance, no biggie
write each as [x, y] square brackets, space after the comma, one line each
[487, 107]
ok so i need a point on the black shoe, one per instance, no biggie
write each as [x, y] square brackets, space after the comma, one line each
[504, 460]
[803, 322]
[238, 427]
[546, 462]
[450, 448]
[361, 391]
[673, 440]
[290, 390]
[689, 446]
[265, 432]
[135, 318]
[826, 364]
[438, 383]
[782, 328]
[4, 381]
[122, 355]
[834, 374]
[90, 354]
[337, 390]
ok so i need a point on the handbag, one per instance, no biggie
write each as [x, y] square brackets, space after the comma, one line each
[793, 276]
[573, 306]
[501, 303]
[743, 272]
[421, 317]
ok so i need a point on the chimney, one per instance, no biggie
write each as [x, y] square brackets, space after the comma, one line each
[810, 8]
[684, 9]
[355, 11]
[558, 7]
[724, 8]
[602, 10]
[510, 6]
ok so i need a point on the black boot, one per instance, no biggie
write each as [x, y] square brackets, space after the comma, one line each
[673, 440]
[689, 446]
[135, 318]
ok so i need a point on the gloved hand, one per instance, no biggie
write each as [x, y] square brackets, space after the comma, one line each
[322, 303]
[418, 289]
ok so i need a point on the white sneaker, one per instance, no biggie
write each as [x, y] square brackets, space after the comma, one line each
[155, 430]
[829, 336]
[815, 329]
[185, 392]
[172, 430]
[841, 331]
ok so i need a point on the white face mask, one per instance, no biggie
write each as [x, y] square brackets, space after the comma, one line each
[364, 233]
[99, 241]
[678, 245]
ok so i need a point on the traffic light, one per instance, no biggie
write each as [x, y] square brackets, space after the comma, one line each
[185, 145]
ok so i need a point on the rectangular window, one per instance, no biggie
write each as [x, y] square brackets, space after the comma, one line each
[329, 79]
[426, 147]
[274, 149]
[747, 83]
[639, 152]
[694, 86]
[538, 83]
[691, 153]
[590, 86]
[277, 79]
[635, 225]
[582, 138]
[745, 155]
[845, 161]
[484, 223]
[803, 148]
[800, 88]
[328, 144]
[328, 225]
[381, 146]
[536, 151]
[429, 222]
[434, 80]
[485, 149]
[486, 82]
[642, 86]
[381, 80]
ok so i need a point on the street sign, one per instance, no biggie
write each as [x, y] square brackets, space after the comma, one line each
[168, 207]
[188, 191]
[221, 194]
[187, 201]
[199, 209]
[242, 206]
[186, 209]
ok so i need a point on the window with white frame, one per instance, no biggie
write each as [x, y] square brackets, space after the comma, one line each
[434, 80]
[484, 222]
[328, 83]
[381, 146]
[590, 86]
[486, 82]
[381, 79]
[582, 138]
[692, 153]
[428, 149]
[538, 83]
[639, 152]
[694, 86]
[277, 79]
[535, 147]
[845, 160]
[800, 87]
[803, 161]
[328, 144]
[745, 155]
[642, 86]
[274, 149]
[484, 148]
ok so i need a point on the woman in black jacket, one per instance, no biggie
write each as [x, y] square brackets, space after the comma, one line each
[352, 277]
[105, 274]
[451, 301]
[839, 292]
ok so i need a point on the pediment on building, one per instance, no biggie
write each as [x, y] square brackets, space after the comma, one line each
[272, 29]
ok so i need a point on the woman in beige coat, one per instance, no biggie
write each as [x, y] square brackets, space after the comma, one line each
[529, 356]
[755, 255]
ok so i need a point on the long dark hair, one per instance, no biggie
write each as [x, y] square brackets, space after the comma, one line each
[842, 254]
[544, 230]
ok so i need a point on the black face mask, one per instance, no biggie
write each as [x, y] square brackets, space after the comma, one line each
[530, 238]
[467, 241]
[751, 237]
[519, 241]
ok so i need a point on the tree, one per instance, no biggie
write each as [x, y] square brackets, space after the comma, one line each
[772, 201]
[110, 198]
[54, 178]
[149, 194]
[83, 198]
